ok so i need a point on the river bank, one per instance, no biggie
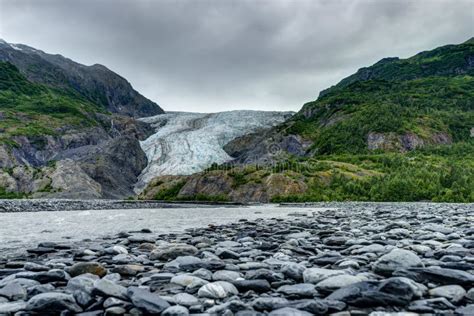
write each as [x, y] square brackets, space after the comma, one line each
[361, 259]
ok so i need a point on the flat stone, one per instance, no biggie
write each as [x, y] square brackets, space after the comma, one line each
[396, 259]
[83, 282]
[336, 282]
[12, 307]
[173, 251]
[53, 302]
[431, 305]
[186, 280]
[258, 286]
[316, 275]
[185, 299]
[13, 291]
[226, 275]
[108, 288]
[298, 290]
[269, 303]
[454, 293]
[438, 275]
[175, 311]
[185, 263]
[147, 301]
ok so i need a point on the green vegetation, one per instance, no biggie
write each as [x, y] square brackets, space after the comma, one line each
[10, 195]
[29, 109]
[170, 193]
[440, 174]
[205, 198]
[428, 95]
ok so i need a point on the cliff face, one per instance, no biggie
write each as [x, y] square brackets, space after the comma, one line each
[67, 130]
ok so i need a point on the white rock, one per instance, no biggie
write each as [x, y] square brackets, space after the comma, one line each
[217, 290]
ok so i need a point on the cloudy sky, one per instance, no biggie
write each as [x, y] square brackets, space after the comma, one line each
[214, 55]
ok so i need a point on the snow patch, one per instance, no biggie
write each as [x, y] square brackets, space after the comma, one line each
[186, 143]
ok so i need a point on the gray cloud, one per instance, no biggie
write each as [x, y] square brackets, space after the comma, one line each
[203, 55]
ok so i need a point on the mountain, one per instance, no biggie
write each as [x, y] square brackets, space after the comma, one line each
[399, 130]
[56, 139]
[95, 83]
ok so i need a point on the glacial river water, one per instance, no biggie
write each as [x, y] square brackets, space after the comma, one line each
[21, 230]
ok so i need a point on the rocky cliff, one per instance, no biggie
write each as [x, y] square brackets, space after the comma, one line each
[67, 130]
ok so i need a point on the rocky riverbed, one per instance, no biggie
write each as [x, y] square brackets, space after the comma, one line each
[361, 259]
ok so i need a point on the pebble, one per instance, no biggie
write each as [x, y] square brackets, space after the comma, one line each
[359, 259]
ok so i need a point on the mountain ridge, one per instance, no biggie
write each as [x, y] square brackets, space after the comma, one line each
[97, 83]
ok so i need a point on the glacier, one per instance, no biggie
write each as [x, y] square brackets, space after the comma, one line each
[186, 143]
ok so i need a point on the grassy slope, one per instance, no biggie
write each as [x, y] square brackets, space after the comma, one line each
[29, 109]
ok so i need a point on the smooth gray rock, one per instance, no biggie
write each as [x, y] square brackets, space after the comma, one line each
[108, 288]
[175, 311]
[185, 299]
[53, 302]
[12, 307]
[454, 293]
[316, 275]
[298, 290]
[13, 291]
[396, 259]
[147, 301]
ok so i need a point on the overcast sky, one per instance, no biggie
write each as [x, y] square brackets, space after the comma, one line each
[214, 55]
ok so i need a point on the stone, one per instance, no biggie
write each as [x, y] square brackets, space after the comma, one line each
[53, 302]
[12, 307]
[430, 305]
[467, 310]
[175, 311]
[145, 300]
[269, 303]
[87, 267]
[129, 269]
[185, 299]
[258, 286]
[293, 270]
[217, 290]
[298, 290]
[373, 293]
[438, 275]
[13, 292]
[396, 259]
[186, 279]
[226, 275]
[336, 282]
[108, 288]
[224, 253]
[173, 251]
[83, 282]
[316, 275]
[454, 293]
[185, 263]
